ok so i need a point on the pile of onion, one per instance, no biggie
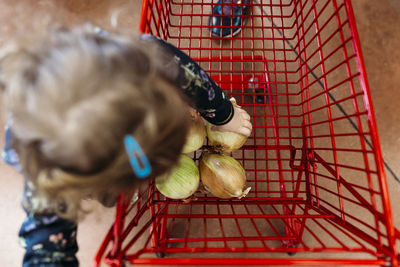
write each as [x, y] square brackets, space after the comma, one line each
[182, 181]
[223, 176]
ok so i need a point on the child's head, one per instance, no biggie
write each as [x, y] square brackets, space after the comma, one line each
[74, 97]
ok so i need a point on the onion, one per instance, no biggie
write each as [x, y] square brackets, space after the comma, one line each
[196, 135]
[223, 176]
[225, 141]
[182, 181]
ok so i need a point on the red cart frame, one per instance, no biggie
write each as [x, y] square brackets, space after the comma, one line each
[319, 193]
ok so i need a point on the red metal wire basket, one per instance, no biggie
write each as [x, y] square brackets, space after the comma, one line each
[319, 194]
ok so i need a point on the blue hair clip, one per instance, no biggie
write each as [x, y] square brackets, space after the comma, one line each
[139, 162]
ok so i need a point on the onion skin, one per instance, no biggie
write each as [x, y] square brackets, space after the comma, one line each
[226, 142]
[182, 182]
[223, 176]
[196, 136]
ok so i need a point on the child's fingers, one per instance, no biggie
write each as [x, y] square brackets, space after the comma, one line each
[244, 114]
[240, 123]
[248, 125]
[246, 120]
[244, 131]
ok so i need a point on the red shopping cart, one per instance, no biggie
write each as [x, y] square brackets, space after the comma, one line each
[319, 194]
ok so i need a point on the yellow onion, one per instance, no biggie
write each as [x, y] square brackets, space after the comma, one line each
[225, 141]
[182, 181]
[196, 136]
[223, 176]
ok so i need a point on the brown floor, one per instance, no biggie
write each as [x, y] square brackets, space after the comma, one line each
[378, 26]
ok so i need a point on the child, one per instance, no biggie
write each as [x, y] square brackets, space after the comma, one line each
[91, 115]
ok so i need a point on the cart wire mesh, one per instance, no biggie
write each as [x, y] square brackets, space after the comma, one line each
[319, 194]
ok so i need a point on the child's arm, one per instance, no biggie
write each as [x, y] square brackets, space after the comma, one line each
[207, 97]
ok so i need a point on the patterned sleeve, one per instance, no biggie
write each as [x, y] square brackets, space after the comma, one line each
[208, 98]
[49, 241]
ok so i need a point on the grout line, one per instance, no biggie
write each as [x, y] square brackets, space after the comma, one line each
[330, 95]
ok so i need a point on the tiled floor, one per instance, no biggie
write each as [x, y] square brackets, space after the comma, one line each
[378, 26]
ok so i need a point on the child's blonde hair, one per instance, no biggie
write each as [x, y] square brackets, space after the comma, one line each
[74, 97]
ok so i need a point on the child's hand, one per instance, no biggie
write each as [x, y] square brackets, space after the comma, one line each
[240, 123]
